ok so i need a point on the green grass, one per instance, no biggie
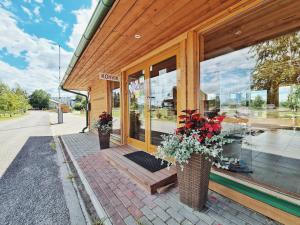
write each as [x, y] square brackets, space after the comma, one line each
[53, 146]
[4, 117]
[98, 222]
[71, 176]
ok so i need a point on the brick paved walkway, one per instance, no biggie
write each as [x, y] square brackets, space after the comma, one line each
[125, 203]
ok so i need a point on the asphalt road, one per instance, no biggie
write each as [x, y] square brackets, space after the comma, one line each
[31, 190]
[14, 133]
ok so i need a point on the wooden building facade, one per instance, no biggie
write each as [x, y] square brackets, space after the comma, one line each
[162, 53]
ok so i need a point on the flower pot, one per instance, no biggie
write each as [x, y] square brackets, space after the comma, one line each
[104, 140]
[193, 181]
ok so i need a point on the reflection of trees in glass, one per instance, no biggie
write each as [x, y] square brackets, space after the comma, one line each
[257, 103]
[293, 101]
[116, 98]
[277, 63]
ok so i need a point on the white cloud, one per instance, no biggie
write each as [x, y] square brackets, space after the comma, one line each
[36, 11]
[6, 3]
[41, 55]
[27, 1]
[58, 7]
[59, 23]
[83, 16]
[39, 1]
[27, 11]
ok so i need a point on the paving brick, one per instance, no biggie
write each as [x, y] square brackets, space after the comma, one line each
[135, 212]
[117, 220]
[137, 202]
[187, 222]
[122, 210]
[130, 221]
[174, 214]
[161, 213]
[204, 217]
[225, 221]
[189, 215]
[148, 213]
[161, 204]
[125, 201]
[158, 221]
[144, 221]
[172, 222]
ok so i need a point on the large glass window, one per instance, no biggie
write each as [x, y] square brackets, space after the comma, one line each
[258, 88]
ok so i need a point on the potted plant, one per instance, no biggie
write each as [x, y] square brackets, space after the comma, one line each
[194, 146]
[104, 126]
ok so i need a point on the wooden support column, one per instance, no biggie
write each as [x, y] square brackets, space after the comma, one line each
[192, 62]
[182, 79]
[124, 121]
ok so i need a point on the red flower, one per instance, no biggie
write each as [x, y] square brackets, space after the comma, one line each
[209, 135]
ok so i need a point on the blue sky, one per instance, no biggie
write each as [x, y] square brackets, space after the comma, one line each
[30, 32]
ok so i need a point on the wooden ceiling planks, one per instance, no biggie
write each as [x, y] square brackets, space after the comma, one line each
[150, 41]
[158, 21]
[271, 20]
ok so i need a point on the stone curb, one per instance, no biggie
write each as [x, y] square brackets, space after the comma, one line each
[78, 212]
[97, 205]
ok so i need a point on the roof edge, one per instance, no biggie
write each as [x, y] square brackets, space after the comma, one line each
[97, 18]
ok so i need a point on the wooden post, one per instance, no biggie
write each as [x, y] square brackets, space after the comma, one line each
[192, 62]
[124, 121]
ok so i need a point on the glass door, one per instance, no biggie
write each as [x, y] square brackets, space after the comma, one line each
[152, 101]
[163, 100]
[136, 109]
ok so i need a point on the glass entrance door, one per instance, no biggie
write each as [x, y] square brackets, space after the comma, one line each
[152, 102]
[163, 99]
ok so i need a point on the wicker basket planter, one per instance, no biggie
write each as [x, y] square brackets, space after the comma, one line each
[193, 181]
[104, 140]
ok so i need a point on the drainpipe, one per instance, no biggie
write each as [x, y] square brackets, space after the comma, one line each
[97, 18]
[86, 107]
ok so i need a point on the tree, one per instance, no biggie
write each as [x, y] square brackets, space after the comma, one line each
[257, 103]
[293, 101]
[277, 63]
[39, 99]
[13, 100]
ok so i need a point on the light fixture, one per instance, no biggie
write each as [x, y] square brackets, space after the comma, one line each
[137, 36]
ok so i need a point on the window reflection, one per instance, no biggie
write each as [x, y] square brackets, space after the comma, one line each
[163, 99]
[136, 89]
[259, 90]
[115, 108]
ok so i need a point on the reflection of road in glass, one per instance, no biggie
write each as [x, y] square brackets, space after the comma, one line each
[163, 126]
[279, 142]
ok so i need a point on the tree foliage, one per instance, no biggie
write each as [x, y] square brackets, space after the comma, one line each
[277, 64]
[257, 103]
[80, 103]
[293, 101]
[39, 99]
[14, 100]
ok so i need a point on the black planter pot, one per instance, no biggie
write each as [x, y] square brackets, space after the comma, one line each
[104, 140]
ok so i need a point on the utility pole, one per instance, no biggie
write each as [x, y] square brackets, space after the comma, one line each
[59, 72]
[59, 109]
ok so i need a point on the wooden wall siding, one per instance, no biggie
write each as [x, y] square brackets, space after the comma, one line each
[158, 21]
[99, 99]
[272, 19]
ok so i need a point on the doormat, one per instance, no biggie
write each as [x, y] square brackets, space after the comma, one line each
[147, 161]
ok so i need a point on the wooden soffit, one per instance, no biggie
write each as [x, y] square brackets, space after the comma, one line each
[271, 19]
[157, 21]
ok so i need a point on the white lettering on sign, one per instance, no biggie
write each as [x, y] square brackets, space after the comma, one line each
[107, 76]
